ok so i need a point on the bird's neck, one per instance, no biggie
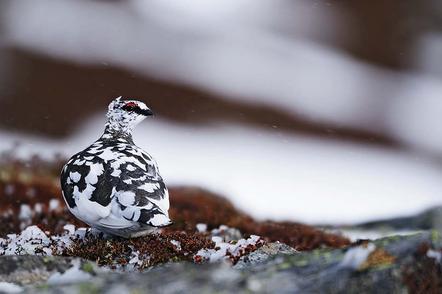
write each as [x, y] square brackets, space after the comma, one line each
[115, 132]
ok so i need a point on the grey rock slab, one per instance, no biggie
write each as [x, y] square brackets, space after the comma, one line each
[32, 269]
[272, 268]
[262, 254]
[426, 220]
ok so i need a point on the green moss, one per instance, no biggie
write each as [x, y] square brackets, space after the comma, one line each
[43, 287]
[436, 237]
[285, 265]
[88, 288]
[88, 267]
[302, 262]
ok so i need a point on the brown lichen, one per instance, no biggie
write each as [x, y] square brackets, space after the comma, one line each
[378, 258]
[32, 192]
[424, 275]
[190, 206]
[152, 249]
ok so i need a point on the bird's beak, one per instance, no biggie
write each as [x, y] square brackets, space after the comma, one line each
[146, 112]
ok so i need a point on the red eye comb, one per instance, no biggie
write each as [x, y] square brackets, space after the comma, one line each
[131, 104]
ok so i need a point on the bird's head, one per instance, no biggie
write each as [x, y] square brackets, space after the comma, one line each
[124, 115]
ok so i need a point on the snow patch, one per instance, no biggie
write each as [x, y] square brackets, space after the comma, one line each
[356, 256]
[226, 251]
[6, 287]
[54, 204]
[25, 212]
[38, 208]
[135, 258]
[177, 244]
[201, 228]
[69, 228]
[436, 255]
[32, 240]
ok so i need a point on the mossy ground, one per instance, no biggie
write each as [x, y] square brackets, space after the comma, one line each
[35, 182]
[158, 248]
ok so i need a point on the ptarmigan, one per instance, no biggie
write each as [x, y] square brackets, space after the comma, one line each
[113, 185]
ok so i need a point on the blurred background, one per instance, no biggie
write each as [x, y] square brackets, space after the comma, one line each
[314, 111]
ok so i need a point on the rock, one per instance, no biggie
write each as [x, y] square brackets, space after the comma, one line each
[427, 220]
[262, 254]
[430, 219]
[32, 269]
[390, 265]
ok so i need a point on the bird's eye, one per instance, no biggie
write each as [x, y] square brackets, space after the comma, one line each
[130, 106]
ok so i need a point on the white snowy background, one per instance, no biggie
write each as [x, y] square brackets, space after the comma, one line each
[241, 50]
[272, 175]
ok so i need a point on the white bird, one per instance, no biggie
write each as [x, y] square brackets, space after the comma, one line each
[113, 185]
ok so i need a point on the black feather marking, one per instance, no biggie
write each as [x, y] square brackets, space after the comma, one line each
[68, 189]
[104, 186]
[147, 215]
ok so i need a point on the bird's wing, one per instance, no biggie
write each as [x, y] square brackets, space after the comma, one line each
[141, 192]
[90, 176]
[143, 200]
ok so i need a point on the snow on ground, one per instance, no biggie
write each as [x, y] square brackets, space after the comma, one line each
[241, 50]
[6, 287]
[436, 255]
[201, 228]
[29, 241]
[270, 174]
[32, 240]
[229, 245]
[225, 250]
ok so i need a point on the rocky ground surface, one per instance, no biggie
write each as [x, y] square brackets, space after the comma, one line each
[389, 265]
[212, 247]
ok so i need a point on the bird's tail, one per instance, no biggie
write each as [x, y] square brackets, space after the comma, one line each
[166, 224]
[160, 221]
